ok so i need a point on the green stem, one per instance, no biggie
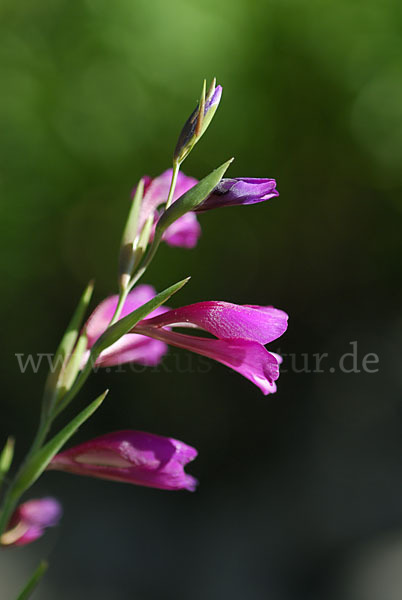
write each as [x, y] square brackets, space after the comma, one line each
[10, 499]
[122, 298]
[43, 430]
[176, 169]
[147, 261]
[10, 502]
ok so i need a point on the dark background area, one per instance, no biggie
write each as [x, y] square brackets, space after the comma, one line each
[300, 494]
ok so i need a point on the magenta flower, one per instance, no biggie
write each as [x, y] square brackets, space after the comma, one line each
[131, 347]
[132, 457]
[30, 520]
[241, 332]
[239, 191]
[186, 230]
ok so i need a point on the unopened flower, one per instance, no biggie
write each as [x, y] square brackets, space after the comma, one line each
[30, 520]
[240, 335]
[198, 122]
[131, 347]
[132, 457]
[239, 191]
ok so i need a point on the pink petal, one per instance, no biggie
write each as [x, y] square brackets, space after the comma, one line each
[184, 232]
[133, 348]
[261, 324]
[248, 358]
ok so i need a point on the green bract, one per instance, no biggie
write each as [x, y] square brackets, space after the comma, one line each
[190, 200]
[6, 458]
[128, 251]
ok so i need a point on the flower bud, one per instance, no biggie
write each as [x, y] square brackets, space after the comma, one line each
[239, 191]
[30, 520]
[198, 122]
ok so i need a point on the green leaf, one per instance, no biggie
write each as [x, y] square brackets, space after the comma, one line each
[40, 460]
[190, 200]
[6, 457]
[33, 582]
[65, 348]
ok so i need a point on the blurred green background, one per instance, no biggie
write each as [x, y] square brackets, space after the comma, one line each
[300, 495]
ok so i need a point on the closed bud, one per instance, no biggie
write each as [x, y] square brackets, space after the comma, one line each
[198, 122]
[30, 520]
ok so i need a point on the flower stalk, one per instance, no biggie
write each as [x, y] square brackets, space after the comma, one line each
[136, 326]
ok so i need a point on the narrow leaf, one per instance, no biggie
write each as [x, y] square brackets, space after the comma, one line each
[191, 199]
[6, 457]
[39, 461]
[33, 582]
[201, 110]
[66, 346]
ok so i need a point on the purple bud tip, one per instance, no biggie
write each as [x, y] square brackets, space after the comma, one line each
[214, 99]
[239, 191]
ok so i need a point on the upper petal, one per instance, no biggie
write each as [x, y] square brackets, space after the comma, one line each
[262, 324]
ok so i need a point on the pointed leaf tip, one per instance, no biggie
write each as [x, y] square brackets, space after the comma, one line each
[6, 457]
[30, 586]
